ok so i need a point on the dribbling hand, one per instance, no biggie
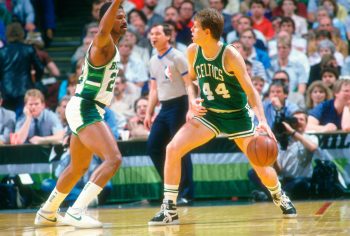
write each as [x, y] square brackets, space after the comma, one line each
[263, 127]
[196, 107]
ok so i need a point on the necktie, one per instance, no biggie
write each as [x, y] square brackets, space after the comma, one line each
[36, 127]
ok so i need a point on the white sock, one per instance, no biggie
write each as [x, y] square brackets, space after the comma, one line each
[54, 201]
[171, 192]
[276, 189]
[90, 191]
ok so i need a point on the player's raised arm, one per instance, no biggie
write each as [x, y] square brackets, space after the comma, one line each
[102, 37]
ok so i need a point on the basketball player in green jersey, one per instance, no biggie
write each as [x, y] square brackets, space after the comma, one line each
[84, 114]
[225, 91]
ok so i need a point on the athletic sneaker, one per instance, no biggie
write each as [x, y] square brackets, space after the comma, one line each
[286, 205]
[48, 218]
[167, 214]
[79, 219]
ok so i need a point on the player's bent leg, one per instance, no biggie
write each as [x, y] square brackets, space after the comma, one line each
[48, 214]
[103, 145]
[269, 178]
[193, 134]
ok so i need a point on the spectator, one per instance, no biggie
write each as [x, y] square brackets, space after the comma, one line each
[328, 60]
[294, 165]
[260, 22]
[186, 12]
[325, 47]
[329, 75]
[7, 124]
[317, 93]
[277, 102]
[245, 23]
[16, 62]
[258, 83]
[293, 97]
[322, 12]
[81, 51]
[289, 8]
[333, 114]
[256, 67]
[248, 39]
[125, 95]
[152, 17]
[61, 109]
[135, 124]
[295, 70]
[134, 70]
[38, 125]
[138, 50]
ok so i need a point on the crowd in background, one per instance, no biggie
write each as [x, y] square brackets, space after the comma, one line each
[296, 52]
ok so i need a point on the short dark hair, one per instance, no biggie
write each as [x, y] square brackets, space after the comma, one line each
[259, 2]
[331, 70]
[211, 19]
[141, 14]
[282, 72]
[15, 32]
[286, 19]
[104, 9]
[279, 83]
[166, 28]
[137, 101]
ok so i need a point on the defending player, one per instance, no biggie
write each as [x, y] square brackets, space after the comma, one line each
[225, 90]
[85, 117]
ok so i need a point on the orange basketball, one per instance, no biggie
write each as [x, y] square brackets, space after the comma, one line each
[262, 151]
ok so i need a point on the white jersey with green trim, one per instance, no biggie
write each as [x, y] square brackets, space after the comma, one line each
[97, 83]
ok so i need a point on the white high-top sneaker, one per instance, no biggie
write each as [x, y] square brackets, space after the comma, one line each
[48, 218]
[79, 219]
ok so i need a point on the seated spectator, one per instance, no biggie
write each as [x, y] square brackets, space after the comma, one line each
[316, 93]
[293, 97]
[258, 83]
[325, 47]
[125, 95]
[244, 23]
[186, 12]
[288, 9]
[260, 22]
[61, 109]
[277, 102]
[37, 125]
[329, 75]
[7, 124]
[295, 69]
[137, 51]
[294, 165]
[248, 39]
[333, 114]
[220, 5]
[135, 124]
[315, 70]
[134, 70]
[255, 66]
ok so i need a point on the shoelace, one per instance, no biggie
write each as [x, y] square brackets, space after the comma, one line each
[285, 202]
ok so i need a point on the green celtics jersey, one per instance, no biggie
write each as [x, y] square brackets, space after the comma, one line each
[97, 83]
[220, 89]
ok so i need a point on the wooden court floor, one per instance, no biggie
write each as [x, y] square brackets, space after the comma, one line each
[314, 218]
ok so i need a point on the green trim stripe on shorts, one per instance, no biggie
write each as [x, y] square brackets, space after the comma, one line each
[93, 114]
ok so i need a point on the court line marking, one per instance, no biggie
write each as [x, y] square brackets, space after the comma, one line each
[323, 209]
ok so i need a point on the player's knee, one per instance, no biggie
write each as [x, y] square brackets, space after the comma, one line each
[172, 148]
[114, 163]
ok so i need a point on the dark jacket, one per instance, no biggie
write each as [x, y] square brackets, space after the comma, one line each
[16, 61]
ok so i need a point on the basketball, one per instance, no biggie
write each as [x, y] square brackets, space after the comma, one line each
[262, 151]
